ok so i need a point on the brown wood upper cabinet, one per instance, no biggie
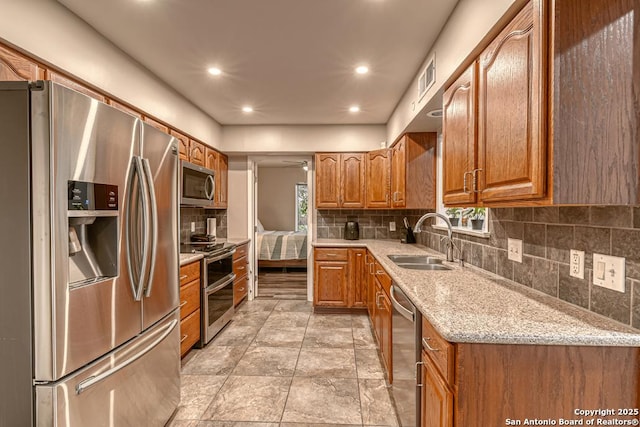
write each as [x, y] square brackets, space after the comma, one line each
[196, 152]
[413, 162]
[379, 178]
[125, 108]
[72, 84]
[156, 124]
[222, 181]
[511, 119]
[340, 180]
[183, 144]
[16, 67]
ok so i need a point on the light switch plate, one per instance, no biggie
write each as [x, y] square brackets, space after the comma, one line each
[392, 226]
[514, 250]
[576, 266]
[609, 272]
[193, 227]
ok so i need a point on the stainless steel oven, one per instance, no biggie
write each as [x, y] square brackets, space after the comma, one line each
[217, 295]
[197, 185]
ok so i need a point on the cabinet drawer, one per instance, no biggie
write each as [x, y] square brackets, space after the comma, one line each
[331, 254]
[189, 332]
[439, 350]
[383, 277]
[189, 298]
[240, 267]
[189, 273]
[240, 289]
[241, 251]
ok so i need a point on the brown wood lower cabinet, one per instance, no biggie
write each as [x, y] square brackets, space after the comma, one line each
[189, 332]
[479, 385]
[241, 270]
[340, 278]
[189, 306]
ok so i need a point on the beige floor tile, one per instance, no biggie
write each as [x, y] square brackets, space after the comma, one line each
[260, 399]
[377, 408]
[281, 337]
[257, 305]
[234, 424]
[323, 400]
[360, 321]
[326, 362]
[326, 337]
[214, 360]
[330, 321]
[182, 423]
[236, 335]
[287, 319]
[368, 363]
[299, 306]
[363, 338]
[196, 393]
[268, 361]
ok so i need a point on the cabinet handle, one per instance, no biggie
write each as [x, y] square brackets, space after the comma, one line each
[184, 337]
[370, 268]
[475, 179]
[331, 254]
[241, 289]
[425, 342]
[183, 304]
[464, 182]
[378, 295]
[379, 272]
[183, 277]
[418, 374]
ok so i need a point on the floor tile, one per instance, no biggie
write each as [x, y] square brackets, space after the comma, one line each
[214, 360]
[299, 306]
[318, 425]
[323, 400]
[325, 337]
[330, 321]
[363, 338]
[234, 424]
[368, 363]
[249, 399]
[377, 408]
[268, 361]
[282, 337]
[182, 423]
[287, 319]
[196, 393]
[326, 362]
[236, 335]
[257, 305]
[360, 321]
[248, 318]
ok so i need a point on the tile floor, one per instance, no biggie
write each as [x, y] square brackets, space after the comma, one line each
[279, 364]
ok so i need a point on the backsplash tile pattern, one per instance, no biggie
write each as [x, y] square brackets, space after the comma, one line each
[199, 216]
[548, 234]
[373, 223]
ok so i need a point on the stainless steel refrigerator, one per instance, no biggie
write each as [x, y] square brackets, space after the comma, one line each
[89, 319]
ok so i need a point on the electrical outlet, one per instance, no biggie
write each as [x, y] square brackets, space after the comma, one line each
[514, 250]
[609, 272]
[576, 268]
[193, 227]
[392, 226]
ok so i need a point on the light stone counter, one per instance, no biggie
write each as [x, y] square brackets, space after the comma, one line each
[469, 305]
[189, 258]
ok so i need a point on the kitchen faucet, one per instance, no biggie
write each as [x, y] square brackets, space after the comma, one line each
[449, 238]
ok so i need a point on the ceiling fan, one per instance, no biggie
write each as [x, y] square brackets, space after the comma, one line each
[303, 163]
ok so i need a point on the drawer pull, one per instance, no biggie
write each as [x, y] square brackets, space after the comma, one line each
[425, 342]
[183, 303]
[241, 289]
[184, 337]
[379, 272]
[332, 254]
[183, 277]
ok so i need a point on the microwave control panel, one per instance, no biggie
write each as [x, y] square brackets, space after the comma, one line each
[90, 196]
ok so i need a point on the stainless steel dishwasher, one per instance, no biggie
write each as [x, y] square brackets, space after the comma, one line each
[406, 335]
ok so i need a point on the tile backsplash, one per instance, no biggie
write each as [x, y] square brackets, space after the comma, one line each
[548, 234]
[199, 216]
[373, 223]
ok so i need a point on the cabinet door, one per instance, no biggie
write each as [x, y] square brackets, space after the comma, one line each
[371, 286]
[78, 87]
[125, 108]
[183, 144]
[330, 284]
[357, 278]
[156, 124]
[399, 174]
[210, 158]
[222, 181]
[240, 289]
[436, 406]
[511, 113]
[196, 152]
[459, 140]
[378, 178]
[385, 334]
[352, 173]
[327, 180]
[16, 67]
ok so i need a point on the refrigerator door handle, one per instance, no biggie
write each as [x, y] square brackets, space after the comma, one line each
[154, 225]
[85, 384]
[133, 170]
[142, 181]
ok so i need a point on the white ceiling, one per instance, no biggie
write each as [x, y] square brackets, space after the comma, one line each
[292, 60]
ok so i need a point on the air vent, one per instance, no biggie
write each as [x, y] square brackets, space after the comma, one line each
[428, 77]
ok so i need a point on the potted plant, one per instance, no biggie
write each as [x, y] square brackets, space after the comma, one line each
[477, 218]
[453, 214]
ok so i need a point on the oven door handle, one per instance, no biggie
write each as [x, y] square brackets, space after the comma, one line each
[211, 289]
[221, 256]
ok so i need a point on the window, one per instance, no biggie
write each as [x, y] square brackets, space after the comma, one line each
[302, 206]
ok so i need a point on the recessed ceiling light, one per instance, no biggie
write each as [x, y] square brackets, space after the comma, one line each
[214, 71]
[354, 109]
[435, 113]
[362, 69]
[247, 109]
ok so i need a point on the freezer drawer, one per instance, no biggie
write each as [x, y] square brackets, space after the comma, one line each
[136, 385]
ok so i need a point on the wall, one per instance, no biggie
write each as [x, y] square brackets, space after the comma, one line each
[548, 233]
[240, 178]
[302, 139]
[469, 23]
[47, 30]
[277, 195]
[199, 216]
[373, 223]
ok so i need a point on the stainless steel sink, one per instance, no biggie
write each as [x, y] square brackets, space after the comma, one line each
[414, 259]
[431, 267]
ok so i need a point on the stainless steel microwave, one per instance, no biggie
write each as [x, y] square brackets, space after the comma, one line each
[197, 185]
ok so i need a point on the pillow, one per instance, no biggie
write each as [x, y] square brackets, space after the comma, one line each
[260, 227]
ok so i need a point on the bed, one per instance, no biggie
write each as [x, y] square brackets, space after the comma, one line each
[283, 249]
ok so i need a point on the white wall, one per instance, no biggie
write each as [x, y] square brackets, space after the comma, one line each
[469, 23]
[47, 30]
[240, 177]
[277, 196]
[302, 139]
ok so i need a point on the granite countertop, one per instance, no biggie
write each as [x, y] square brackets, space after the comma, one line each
[469, 305]
[189, 258]
[236, 241]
